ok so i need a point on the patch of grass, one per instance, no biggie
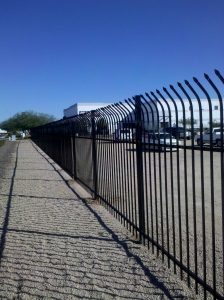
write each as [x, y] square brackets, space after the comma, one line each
[1, 143]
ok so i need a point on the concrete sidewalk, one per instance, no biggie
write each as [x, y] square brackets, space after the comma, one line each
[55, 245]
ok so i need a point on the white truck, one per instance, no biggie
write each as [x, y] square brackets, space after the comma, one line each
[206, 137]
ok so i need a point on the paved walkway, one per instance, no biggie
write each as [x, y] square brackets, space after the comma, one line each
[57, 246]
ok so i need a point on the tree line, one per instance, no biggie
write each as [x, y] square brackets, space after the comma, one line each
[25, 121]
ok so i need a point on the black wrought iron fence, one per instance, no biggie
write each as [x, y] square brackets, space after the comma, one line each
[156, 162]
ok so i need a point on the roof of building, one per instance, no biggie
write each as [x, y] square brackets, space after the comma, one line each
[2, 131]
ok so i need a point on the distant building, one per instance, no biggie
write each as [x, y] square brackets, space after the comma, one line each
[3, 133]
[206, 111]
[80, 108]
[158, 114]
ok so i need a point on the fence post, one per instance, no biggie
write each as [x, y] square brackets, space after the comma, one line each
[93, 125]
[139, 160]
[73, 155]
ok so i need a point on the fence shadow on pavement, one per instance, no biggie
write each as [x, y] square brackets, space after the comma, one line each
[157, 281]
[45, 258]
[8, 207]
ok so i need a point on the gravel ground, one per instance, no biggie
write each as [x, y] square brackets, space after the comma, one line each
[164, 210]
[55, 245]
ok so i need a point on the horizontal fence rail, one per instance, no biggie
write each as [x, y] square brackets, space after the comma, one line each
[156, 162]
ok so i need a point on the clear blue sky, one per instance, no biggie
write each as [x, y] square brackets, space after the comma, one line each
[54, 53]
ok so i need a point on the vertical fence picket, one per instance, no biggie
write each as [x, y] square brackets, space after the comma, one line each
[94, 154]
[139, 161]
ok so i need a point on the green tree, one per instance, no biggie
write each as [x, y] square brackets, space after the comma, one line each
[25, 121]
[187, 122]
[215, 123]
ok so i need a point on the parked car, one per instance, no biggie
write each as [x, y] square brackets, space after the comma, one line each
[178, 132]
[124, 134]
[206, 137]
[160, 141]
